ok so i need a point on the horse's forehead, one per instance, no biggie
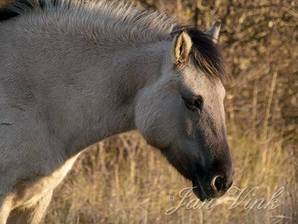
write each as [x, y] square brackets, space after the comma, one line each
[200, 84]
[219, 88]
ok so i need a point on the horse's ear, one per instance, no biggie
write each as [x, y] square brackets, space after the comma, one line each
[214, 31]
[181, 48]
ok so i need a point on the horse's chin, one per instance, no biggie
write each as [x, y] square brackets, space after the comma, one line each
[199, 192]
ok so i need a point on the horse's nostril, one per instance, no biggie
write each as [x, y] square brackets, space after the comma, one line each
[218, 184]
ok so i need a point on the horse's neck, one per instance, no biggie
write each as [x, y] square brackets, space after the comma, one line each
[105, 102]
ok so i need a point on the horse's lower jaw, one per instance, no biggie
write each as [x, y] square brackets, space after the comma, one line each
[199, 192]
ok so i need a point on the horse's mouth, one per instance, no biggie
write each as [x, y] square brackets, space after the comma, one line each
[198, 190]
[204, 193]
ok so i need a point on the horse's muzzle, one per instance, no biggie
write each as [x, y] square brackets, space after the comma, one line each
[211, 189]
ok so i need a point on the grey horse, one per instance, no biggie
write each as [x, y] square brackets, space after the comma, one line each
[73, 73]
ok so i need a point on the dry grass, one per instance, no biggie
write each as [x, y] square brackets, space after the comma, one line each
[123, 180]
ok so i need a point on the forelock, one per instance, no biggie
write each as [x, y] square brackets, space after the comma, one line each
[205, 53]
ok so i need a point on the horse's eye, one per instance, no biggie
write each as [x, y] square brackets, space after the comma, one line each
[194, 103]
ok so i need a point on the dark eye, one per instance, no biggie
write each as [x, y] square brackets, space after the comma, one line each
[194, 103]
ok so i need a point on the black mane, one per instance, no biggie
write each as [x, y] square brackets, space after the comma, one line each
[8, 10]
[17, 7]
[205, 53]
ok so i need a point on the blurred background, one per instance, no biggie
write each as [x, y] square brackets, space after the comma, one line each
[123, 180]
